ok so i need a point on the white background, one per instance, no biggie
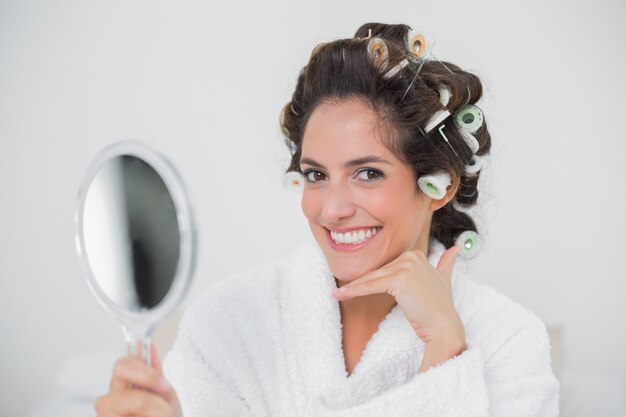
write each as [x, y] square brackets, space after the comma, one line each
[203, 82]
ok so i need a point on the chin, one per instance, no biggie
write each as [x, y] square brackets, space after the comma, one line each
[346, 267]
[347, 272]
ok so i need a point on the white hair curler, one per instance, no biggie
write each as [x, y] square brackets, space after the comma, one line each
[396, 68]
[458, 207]
[293, 181]
[470, 140]
[440, 115]
[444, 96]
[474, 165]
[435, 185]
[437, 118]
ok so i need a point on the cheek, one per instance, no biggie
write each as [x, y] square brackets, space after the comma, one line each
[387, 203]
[379, 204]
[310, 205]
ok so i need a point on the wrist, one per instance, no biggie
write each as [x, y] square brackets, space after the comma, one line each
[435, 354]
[450, 333]
[446, 345]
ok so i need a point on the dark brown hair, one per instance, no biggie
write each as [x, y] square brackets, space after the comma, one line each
[343, 70]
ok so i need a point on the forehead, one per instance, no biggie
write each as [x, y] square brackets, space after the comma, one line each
[337, 132]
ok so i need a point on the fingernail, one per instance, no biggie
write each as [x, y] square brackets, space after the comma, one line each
[162, 384]
[341, 290]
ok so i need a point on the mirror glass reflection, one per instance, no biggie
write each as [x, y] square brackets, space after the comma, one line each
[131, 233]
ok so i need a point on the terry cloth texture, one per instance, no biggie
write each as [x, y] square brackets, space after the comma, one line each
[268, 342]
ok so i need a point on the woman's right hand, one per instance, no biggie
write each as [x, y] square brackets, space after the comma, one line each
[150, 395]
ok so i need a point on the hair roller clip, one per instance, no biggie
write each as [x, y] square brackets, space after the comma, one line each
[470, 118]
[293, 181]
[469, 243]
[378, 53]
[474, 165]
[416, 45]
[396, 68]
[434, 186]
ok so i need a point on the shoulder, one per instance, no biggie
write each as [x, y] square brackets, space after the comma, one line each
[225, 332]
[235, 297]
[493, 320]
[240, 310]
[245, 291]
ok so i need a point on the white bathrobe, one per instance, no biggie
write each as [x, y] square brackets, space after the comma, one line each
[267, 342]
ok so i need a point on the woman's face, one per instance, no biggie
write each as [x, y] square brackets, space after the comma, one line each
[354, 183]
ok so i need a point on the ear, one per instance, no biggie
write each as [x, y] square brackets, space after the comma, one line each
[450, 193]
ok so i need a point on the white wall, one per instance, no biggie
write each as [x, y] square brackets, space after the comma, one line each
[204, 82]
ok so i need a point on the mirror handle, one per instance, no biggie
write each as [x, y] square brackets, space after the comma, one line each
[132, 342]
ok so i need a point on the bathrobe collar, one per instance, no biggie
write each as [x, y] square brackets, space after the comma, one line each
[313, 333]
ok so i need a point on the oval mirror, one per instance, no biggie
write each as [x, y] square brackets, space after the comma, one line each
[135, 237]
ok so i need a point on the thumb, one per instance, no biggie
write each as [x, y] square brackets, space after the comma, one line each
[163, 388]
[447, 260]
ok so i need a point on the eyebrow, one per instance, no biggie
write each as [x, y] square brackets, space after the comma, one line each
[354, 162]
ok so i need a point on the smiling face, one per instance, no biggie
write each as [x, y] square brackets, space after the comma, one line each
[354, 183]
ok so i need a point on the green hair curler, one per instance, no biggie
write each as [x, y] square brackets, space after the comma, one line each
[469, 118]
[469, 243]
[435, 185]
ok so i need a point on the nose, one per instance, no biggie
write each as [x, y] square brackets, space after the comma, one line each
[338, 203]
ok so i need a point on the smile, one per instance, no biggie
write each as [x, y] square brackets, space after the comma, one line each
[351, 240]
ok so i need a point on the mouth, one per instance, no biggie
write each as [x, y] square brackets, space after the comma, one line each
[351, 240]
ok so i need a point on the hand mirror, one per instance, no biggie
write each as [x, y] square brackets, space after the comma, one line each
[135, 237]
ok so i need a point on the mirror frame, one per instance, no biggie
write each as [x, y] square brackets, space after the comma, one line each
[142, 323]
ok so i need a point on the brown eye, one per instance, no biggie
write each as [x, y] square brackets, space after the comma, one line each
[370, 174]
[313, 176]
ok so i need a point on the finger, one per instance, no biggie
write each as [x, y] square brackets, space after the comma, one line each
[386, 269]
[163, 386]
[156, 362]
[131, 370]
[447, 260]
[377, 273]
[374, 286]
[132, 402]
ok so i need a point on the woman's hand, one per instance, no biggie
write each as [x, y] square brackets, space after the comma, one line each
[424, 294]
[151, 395]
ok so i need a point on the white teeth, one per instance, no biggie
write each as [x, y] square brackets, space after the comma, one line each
[354, 237]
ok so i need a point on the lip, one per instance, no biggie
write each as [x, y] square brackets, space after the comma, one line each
[347, 247]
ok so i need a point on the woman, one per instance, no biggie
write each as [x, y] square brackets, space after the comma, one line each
[369, 319]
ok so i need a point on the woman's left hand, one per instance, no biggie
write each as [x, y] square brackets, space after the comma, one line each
[423, 293]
